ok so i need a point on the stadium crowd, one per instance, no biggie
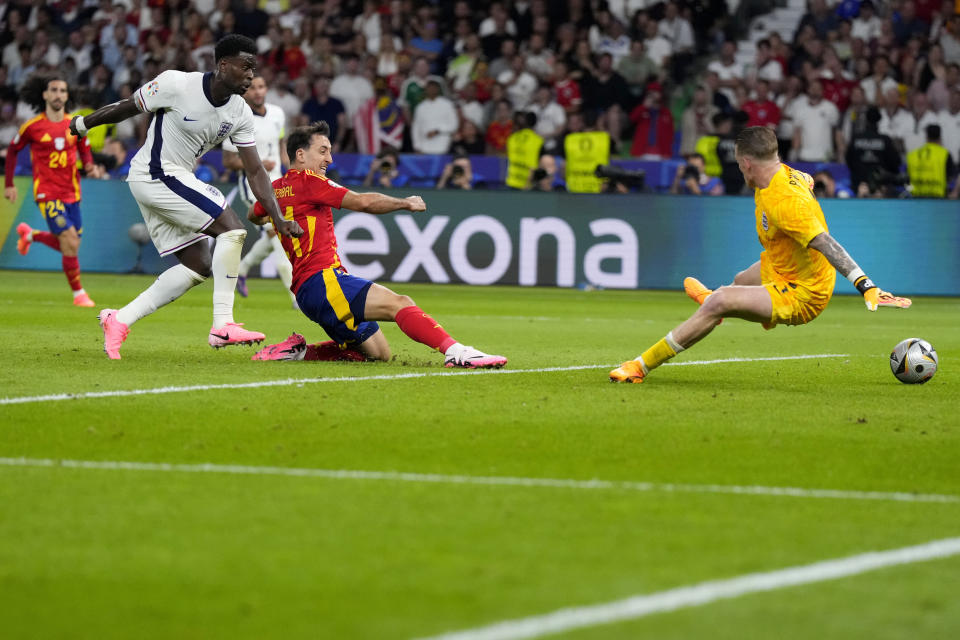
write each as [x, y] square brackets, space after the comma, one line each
[872, 84]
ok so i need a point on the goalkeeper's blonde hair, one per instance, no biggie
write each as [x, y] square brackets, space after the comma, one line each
[759, 143]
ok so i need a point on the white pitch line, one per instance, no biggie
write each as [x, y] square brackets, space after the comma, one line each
[436, 478]
[703, 593]
[286, 382]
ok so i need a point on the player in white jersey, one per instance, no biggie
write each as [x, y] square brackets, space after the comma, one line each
[268, 124]
[192, 113]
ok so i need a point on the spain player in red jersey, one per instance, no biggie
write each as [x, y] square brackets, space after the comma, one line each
[347, 307]
[793, 280]
[56, 185]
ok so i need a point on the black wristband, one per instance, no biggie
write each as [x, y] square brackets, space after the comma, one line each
[864, 284]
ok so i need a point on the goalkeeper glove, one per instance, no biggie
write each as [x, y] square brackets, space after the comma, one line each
[869, 291]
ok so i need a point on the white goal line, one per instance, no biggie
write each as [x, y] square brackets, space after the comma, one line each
[286, 382]
[508, 481]
[638, 606]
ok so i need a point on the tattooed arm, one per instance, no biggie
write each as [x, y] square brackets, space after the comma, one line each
[842, 262]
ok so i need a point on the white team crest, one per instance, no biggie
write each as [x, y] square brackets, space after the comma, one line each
[763, 221]
[59, 143]
[333, 184]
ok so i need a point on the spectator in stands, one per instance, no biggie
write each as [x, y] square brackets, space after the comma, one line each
[853, 121]
[539, 59]
[614, 41]
[501, 63]
[427, 45]
[895, 121]
[565, 42]
[950, 40]
[820, 17]
[469, 107]
[251, 20]
[279, 94]
[932, 68]
[658, 48]
[879, 83]
[907, 24]
[872, 158]
[468, 140]
[414, 89]
[434, 122]
[322, 106]
[500, 129]
[460, 68]
[939, 90]
[696, 121]
[519, 83]
[825, 186]
[837, 82]
[931, 168]
[351, 88]
[653, 135]
[457, 174]
[843, 43]
[605, 87]
[78, 50]
[866, 26]
[765, 67]
[718, 99]
[583, 64]
[496, 28]
[922, 117]
[950, 129]
[815, 122]
[551, 118]
[637, 68]
[692, 179]
[566, 88]
[763, 111]
[729, 71]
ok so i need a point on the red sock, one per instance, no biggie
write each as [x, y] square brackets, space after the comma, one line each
[47, 238]
[71, 267]
[330, 351]
[422, 328]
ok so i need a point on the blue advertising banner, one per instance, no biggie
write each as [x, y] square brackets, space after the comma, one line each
[557, 239]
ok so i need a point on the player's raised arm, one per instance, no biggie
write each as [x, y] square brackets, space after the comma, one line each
[260, 185]
[837, 256]
[380, 203]
[110, 114]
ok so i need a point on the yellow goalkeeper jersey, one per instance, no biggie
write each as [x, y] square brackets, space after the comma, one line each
[788, 218]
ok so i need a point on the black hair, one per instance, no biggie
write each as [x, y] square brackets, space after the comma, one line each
[301, 137]
[233, 45]
[33, 89]
[933, 132]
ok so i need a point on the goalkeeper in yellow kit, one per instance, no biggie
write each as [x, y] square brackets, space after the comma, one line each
[794, 279]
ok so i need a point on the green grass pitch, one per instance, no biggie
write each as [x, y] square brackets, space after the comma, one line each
[113, 553]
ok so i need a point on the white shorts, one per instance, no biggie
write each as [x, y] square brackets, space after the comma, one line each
[177, 209]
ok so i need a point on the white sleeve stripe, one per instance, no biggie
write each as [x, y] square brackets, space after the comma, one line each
[244, 144]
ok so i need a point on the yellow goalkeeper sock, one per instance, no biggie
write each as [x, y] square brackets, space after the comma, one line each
[660, 353]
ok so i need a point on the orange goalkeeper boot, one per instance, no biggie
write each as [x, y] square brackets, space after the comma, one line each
[696, 289]
[629, 371]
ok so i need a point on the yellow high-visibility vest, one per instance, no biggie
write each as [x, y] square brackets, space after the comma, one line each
[707, 147]
[584, 152]
[927, 167]
[523, 156]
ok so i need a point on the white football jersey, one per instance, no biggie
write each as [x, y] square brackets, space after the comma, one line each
[268, 130]
[186, 124]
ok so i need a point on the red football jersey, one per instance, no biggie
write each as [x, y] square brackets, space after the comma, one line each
[53, 151]
[306, 198]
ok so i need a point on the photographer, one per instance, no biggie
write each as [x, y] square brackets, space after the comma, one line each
[383, 170]
[458, 174]
[824, 186]
[691, 178]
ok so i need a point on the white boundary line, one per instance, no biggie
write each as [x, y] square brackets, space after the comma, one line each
[704, 593]
[56, 397]
[555, 483]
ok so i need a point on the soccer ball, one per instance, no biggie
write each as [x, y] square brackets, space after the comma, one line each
[913, 361]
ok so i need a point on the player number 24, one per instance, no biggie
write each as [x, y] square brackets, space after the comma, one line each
[58, 159]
